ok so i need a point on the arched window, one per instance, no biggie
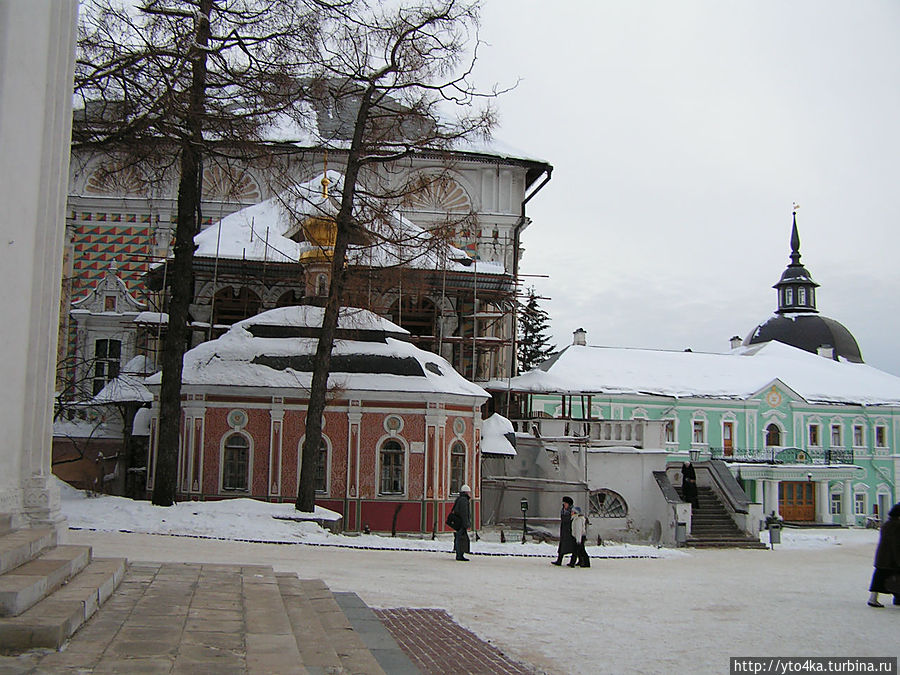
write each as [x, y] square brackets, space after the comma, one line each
[457, 467]
[607, 504]
[234, 304]
[322, 468]
[236, 463]
[392, 461]
[773, 435]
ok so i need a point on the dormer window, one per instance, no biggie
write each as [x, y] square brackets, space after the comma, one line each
[788, 296]
[801, 292]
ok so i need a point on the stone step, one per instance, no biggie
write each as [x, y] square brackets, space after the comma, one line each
[20, 546]
[27, 584]
[271, 643]
[50, 622]
[316, 650]
[729, 542]
[351, 650]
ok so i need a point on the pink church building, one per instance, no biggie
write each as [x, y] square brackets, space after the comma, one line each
[401, 434]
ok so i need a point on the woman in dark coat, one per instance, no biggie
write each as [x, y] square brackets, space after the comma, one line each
[887, 558]
[566, 540]
[689, 485]
[461, 536]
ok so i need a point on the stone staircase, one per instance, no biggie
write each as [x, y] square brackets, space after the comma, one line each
[47, 591]
[713, 527]
[179, 617]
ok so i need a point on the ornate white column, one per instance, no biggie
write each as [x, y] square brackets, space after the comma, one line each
[823, 502]
[847, 505]
[37, 53]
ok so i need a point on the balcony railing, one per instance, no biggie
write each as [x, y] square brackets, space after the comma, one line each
[784, 455]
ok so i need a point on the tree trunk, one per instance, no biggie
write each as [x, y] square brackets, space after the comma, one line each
[182, 275]
[306, 492]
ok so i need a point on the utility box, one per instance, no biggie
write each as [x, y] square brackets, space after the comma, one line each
[680, 533]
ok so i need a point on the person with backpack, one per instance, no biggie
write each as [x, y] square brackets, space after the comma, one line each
[460, 509]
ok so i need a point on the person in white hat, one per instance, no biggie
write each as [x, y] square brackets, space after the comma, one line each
[461, 536]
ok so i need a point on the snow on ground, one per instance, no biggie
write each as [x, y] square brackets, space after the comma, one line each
[250, 520]
[683, 612]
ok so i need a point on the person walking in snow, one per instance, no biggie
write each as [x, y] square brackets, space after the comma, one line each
[566, 540]
[887, 559]
[579, 533]
[461, 536]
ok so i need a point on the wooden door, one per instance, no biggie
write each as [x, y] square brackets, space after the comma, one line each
[728, 438]
[797, 500]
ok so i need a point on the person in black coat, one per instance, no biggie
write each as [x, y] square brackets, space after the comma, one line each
[887, 558]
[566, 540]
[689, 485]
[461, 536]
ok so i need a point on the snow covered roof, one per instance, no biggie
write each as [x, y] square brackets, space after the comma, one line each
[126, 388]
[264, 231]
[498, 436]
[739, 374]
[276, 350]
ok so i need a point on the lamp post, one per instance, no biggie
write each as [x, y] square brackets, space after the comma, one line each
[695, 455]
[524, 505]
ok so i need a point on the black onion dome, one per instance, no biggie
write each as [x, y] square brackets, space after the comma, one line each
[796, 321]
[808, 332]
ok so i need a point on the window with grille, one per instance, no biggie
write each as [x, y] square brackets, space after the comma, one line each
[322, 468]
[236, 463]
[457, 467]
[107, 356]
[607, 504]
[392, 457]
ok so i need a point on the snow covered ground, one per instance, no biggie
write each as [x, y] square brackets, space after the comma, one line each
[637, 610]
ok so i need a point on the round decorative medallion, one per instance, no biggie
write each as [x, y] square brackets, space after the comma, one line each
[459, 426]
[237, 418]
[773, 398]
[393, 424]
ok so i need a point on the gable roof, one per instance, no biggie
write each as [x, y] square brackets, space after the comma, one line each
[739, 375]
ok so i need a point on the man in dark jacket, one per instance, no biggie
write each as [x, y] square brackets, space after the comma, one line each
[887, 559]
[461, 536]
[566, 540]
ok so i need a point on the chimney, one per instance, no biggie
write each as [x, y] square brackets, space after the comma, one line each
[735, 341]
[827, 351]
[580, 337]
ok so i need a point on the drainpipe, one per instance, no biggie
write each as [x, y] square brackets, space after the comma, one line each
[517, 232]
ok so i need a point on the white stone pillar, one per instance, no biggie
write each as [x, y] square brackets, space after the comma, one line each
[37, 51]
[847, 505]
[823, 502]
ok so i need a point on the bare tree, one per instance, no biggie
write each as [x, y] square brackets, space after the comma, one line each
[174, 83]
[391, 73]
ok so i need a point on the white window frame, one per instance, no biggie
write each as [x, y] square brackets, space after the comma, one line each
[837, 427]
[233, 491]
[860, 498]
[859, 433]
[814, 426]
[836, 503]
[694, 430]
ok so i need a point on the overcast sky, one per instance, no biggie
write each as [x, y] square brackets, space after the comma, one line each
[680, 134]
